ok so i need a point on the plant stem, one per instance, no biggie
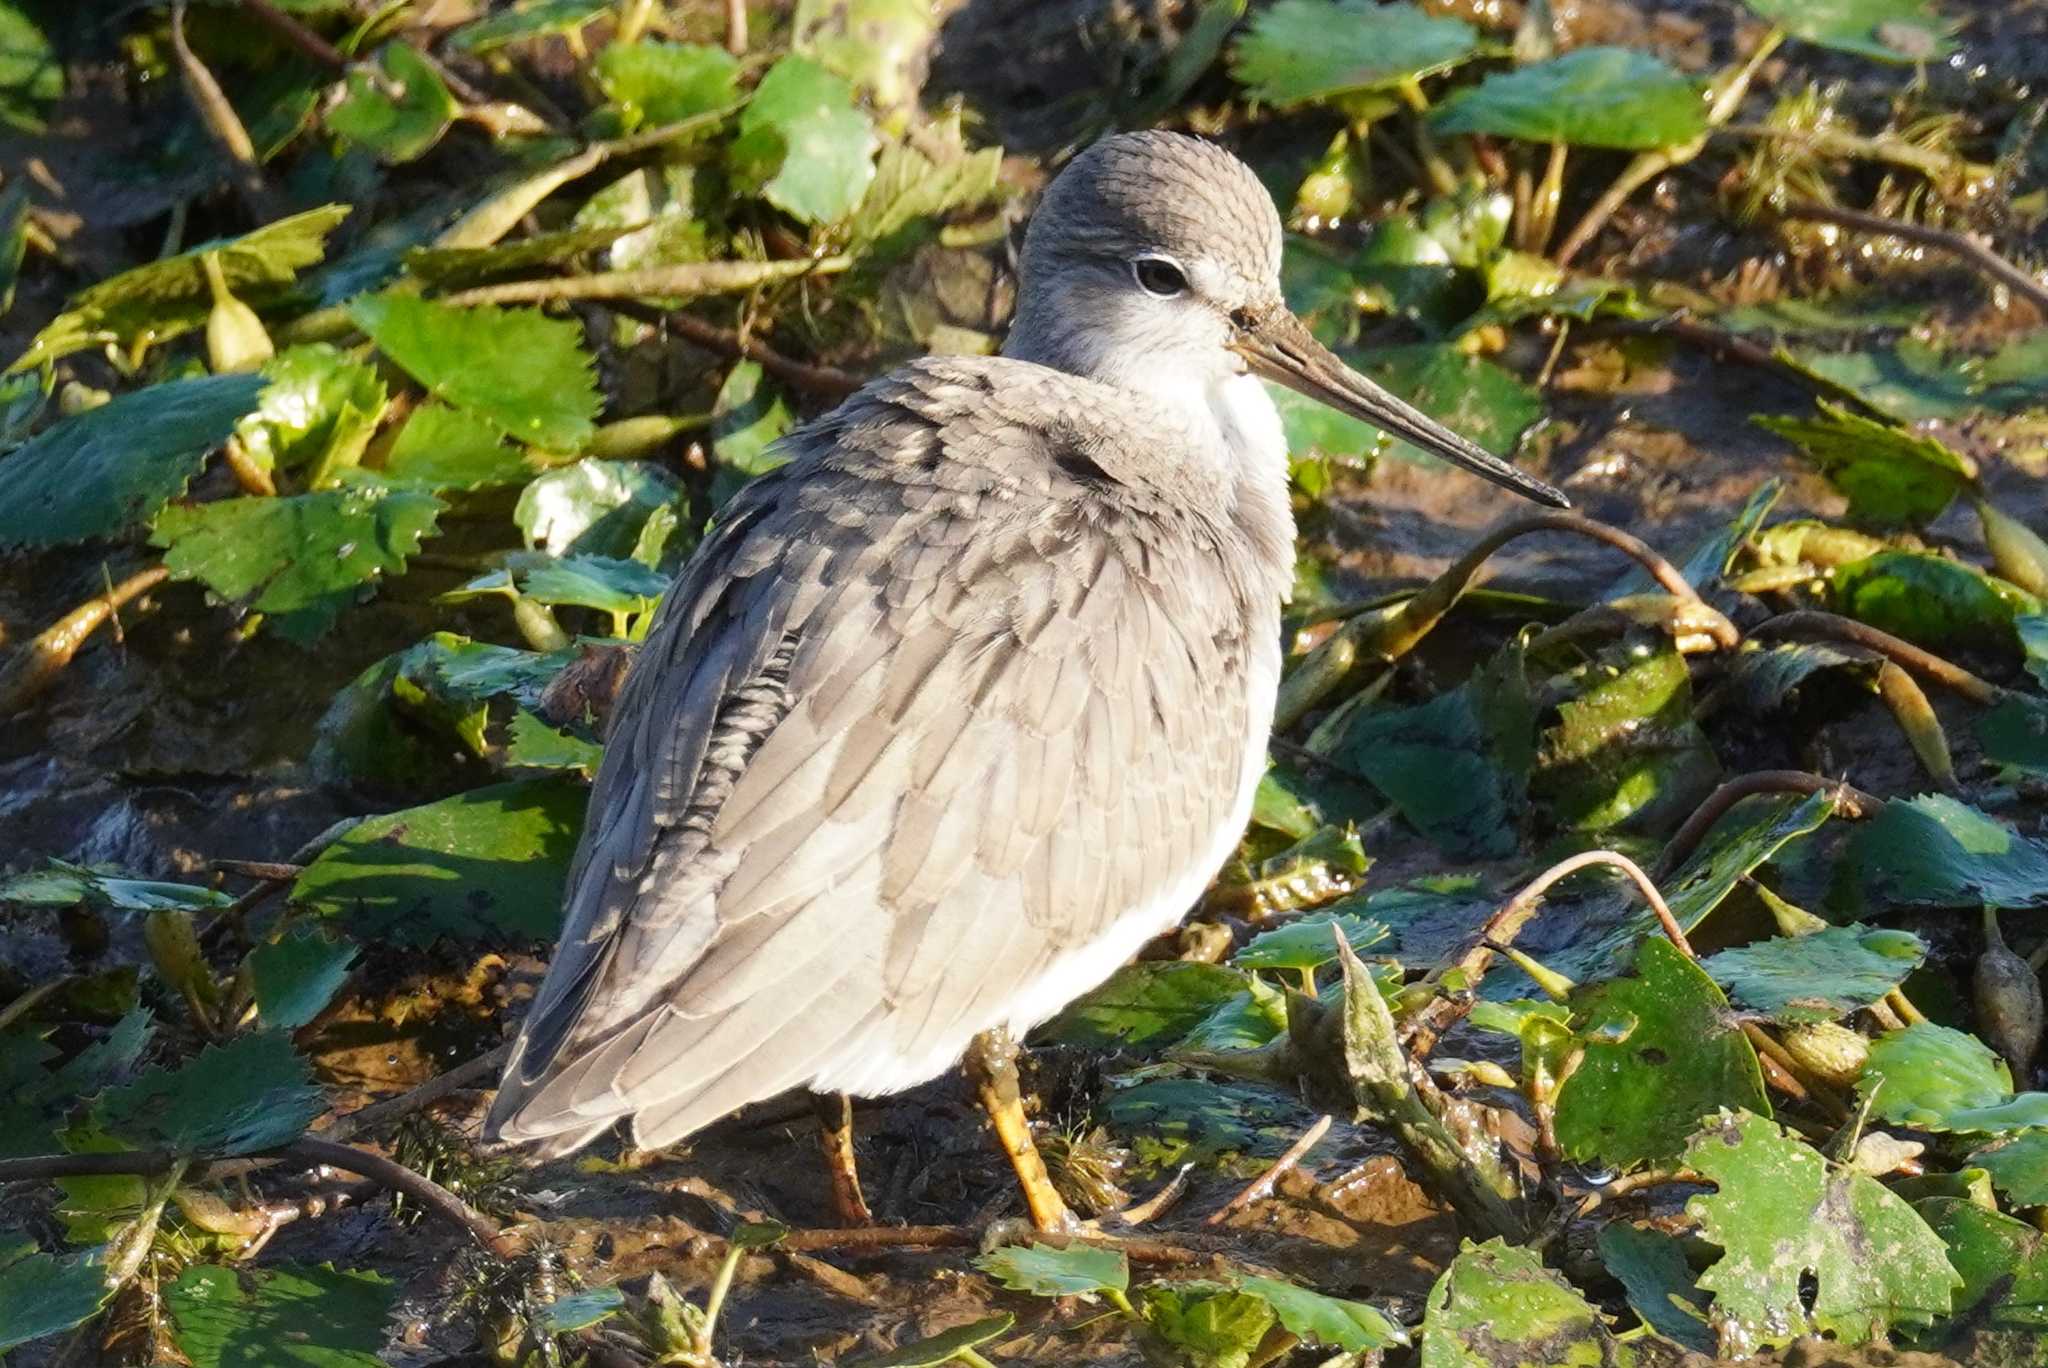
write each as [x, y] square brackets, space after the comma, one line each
[1812, 623]
[714, 1302]
[1543, 206]
[35, 665]
[688, 278]
[633, 17]
[1728, 90]
[1850, 802]
[1890, 149]
[1965, 245]
[1441, 176]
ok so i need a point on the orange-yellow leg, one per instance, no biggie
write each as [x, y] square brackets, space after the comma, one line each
[835, 1142]
[992, 1067]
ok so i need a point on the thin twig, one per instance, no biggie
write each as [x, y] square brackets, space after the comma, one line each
[1259, 1187]
[354, 1123]
[211, 103]
[1968, 246]
[23, 1002]
[1813, 623]
[1850, 801]
[736, 27]
[688, 278]
[829, 381]
[35, 665]
[296, 35]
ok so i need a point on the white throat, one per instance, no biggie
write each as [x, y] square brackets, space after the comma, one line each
[1230, 419]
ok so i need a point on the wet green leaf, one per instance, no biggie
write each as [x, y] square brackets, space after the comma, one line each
[1626, 751]
[1497, 1304]
[2002, 1306]
[600, 582]
[1253, 1018]
[1457, 766]
[1911, 381]
[1937, 1078]
[486, 865]
[170, 297]
[1593, 96]
[318, 409]
[2019, 1167]
[1780, 1215]
[1662, 1288]
[1155, 1001]
[1889, 30]
[1766, 678]
[396, 104]
[41, 1294]
[301, 558]
[1474, 398]
[1892, 477]
[1300, 50]
[31, 74]
[1206, 1325]
[1308, 942]
[940, 1348]
[1328, 1321]
[1929, 600]
[580, 1310]
[111, 468]
[1045, 1271]
[63, 884]
[803, 144]
[250, 1094]
[1933, 851]
[296, 975]
[518, 369]
[528, 19]
[448, 448]
[532, 744]
[286, 1316]
[1173, 1121]
[1661, 1050]
[1821, 977]
[653, 83]
[748, 418]
[594, 507]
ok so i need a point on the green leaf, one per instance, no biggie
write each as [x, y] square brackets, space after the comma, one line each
[1705, 565]
[1173, 1121]
[747, 419]
[518, 369]
[1076, 1271]
[1626, 751]
[296, 975]
[304, 556]
[1457, 766]
[1936, 1078]
[1328, 1321]
[1301, 50]
[1892, 477]
[1821, 977]
[170, 297]
[2015, 732]
[252, 1093]
[1933, 851]
[1206, 1325]
[288, 1316]
[1766, 679]
[1661, 1051]
[447, 448]
[1474, 398]
[111, 468]
[1662, 1289]
[1593, 97]
[803, 144]
[396, 104]
[911, 188]
[601, 582]
[2019, 1167]
[1498, 1305]
[941, 1348]
[62, 884]
[594, 507]
[2002, 1306]
[1152, 1001]
[528, 19]
[31, 73]
[882, 46]
[1253, 1018]
[487, 865]
[580, 1310]
[41, 1294]
[318, 409]
[1782, 1215]
[1929, 600]
[1888, 30]
[533, 744]
[1308, 942]
[664, 83]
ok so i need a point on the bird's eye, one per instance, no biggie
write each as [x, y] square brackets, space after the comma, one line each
[1159, 276]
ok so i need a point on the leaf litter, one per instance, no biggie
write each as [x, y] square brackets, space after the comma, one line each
[409, 555]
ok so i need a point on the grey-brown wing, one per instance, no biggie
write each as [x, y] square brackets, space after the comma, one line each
[894, 745]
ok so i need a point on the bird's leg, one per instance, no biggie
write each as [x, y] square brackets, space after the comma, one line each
[835, 1142]
[992, 1067]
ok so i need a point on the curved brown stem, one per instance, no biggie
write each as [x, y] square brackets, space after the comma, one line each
[36, 664]
[433, 1090]
[1965, 245]
[1813, 623]
[1850, 801]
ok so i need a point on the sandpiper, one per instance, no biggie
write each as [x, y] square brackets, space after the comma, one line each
[962, 705]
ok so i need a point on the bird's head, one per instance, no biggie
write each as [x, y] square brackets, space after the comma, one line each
[1154, 261]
